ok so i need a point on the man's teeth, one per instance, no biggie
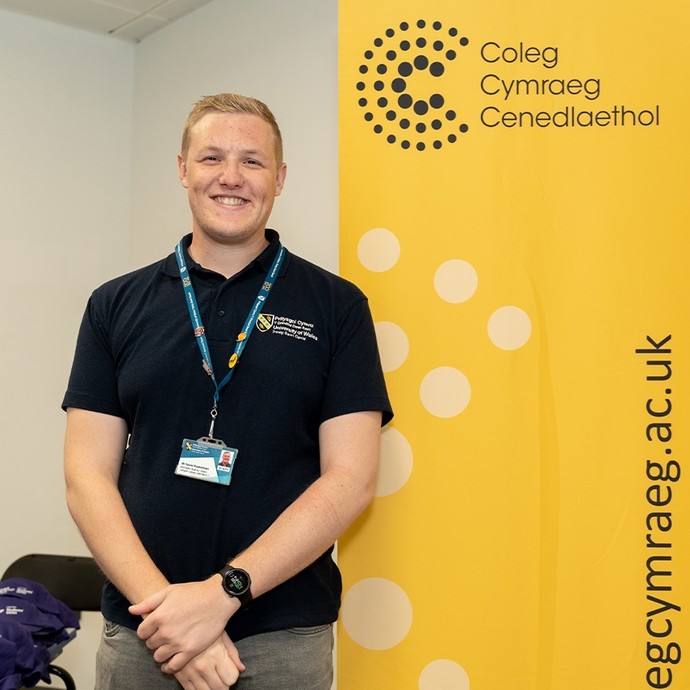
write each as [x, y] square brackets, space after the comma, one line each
[230, 201]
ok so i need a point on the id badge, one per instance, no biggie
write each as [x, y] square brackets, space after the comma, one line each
[207, 459]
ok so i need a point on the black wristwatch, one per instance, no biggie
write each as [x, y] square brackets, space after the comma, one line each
[237, 583]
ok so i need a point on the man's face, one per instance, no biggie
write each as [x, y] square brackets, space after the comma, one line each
[232, 177]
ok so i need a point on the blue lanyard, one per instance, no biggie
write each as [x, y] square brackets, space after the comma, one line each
[242, 338]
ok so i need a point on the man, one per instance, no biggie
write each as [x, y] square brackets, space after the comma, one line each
[231, 344]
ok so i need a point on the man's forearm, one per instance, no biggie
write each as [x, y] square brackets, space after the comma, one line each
[109, 534]
[94, 445]
[312, 524]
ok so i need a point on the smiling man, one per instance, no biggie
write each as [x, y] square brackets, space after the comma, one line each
[211, 465]
[232, 168]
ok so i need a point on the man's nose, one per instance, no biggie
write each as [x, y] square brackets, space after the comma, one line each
[231, 174]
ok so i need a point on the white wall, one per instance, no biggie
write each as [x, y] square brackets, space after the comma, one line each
[284, 53]
[91, 127]
[65, 174]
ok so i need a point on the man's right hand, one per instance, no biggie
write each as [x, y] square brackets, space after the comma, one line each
[217, 668]
[182, 620]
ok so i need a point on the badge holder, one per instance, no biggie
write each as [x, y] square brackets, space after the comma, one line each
[207, 459]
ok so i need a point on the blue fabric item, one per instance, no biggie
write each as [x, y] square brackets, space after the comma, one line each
[24, 644]
[11, 681]
[31, 660]
[40, 597]
[8, 656]
[31, 621]
[44, 626]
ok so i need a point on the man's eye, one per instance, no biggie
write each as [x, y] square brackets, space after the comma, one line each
[213, 159]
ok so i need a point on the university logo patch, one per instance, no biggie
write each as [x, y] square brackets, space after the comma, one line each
[264, 322]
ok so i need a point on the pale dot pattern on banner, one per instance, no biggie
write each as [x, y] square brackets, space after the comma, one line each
[455, 281]
[445, 392]
[377, 613]
[444, 674]
[393, 345]
[396, 462]
[509, 328]
[378, 250]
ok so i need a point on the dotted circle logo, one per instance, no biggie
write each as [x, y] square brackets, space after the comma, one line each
[400, 87]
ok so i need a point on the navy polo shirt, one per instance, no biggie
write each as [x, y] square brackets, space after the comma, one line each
[312, 356]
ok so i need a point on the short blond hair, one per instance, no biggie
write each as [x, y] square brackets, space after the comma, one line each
[232, 103]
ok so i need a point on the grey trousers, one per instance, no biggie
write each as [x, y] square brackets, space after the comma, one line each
[283, 660]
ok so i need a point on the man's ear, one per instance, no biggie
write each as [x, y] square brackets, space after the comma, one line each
[280, 178]
[182, 171]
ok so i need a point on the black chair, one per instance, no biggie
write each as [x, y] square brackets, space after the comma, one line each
[76, 580]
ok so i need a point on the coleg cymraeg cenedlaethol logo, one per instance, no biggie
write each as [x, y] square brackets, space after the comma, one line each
[401, 85]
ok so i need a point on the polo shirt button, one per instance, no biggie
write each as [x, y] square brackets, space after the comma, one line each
[221, 313]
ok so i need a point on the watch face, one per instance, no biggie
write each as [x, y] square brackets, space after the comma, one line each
[236, 582]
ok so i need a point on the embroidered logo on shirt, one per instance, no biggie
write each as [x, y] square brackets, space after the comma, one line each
[264, 322]
[284, 325]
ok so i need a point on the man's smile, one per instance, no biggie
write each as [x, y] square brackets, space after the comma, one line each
[230, 200]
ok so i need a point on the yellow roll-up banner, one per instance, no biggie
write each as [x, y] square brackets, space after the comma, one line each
[515, 203]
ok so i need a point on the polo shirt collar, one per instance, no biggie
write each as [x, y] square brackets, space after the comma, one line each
[263, 261]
